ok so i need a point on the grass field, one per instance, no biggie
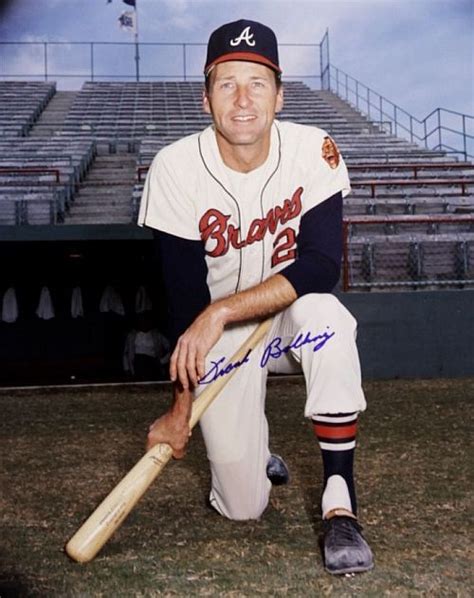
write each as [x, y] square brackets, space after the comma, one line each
[63, 450]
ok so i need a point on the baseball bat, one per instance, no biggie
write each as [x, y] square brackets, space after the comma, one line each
[113, 510]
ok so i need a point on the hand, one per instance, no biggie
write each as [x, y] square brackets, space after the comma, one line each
[173, 430]
[188, 360]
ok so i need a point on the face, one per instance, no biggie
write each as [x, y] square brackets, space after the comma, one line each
[242, 99]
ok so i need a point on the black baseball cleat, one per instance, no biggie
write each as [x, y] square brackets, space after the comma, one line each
[277, 471]
[345, 549]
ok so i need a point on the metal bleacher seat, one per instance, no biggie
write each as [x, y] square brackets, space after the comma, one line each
[391, 177]
[21, 103]
[414, 260]
[39, 177]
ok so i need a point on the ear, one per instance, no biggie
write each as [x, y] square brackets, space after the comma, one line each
[279, 100]
[205, 102]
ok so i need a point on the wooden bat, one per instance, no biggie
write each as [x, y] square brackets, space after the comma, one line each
[113, 510]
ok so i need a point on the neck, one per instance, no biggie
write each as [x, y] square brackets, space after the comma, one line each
[243, 158]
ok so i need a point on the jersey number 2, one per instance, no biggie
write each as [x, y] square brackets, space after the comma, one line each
[284, 246]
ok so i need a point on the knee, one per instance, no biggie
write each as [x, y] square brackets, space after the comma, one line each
[242, 501]
[319, 306]
[243, 510]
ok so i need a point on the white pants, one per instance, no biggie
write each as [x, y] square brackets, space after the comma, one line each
[315, 335]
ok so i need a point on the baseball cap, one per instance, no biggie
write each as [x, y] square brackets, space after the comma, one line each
[242, 40]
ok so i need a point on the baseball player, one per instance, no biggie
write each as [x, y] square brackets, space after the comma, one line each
[247, 218]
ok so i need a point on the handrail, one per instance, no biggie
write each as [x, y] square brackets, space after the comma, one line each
[408, 182]
[141, 170]
[370, 102]
[413, 166]
[407, 218]
[26, 171]
[90, 63]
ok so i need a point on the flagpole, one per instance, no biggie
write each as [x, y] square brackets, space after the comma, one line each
[137, 53]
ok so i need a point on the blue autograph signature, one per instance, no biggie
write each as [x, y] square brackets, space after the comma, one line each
[274, 350]
[215, 372]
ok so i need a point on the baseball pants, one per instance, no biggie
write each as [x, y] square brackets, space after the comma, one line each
[315, 335]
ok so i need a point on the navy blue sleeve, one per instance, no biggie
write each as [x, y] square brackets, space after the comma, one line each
[184, 272]
[319, 249]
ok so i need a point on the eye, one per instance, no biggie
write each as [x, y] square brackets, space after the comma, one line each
[227, 85]
[258, 84]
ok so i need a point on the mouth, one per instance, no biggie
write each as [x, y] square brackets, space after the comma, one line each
[244, 118]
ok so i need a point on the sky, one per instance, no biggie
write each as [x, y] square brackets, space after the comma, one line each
[416, 53]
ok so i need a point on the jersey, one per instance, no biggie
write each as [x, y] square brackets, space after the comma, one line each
[248, 222]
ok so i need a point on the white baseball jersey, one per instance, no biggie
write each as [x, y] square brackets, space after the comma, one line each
[249, 222]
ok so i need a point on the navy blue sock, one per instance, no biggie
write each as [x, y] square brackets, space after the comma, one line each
[336, 434]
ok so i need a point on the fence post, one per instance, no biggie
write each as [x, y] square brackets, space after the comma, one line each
[328, 62]
[345, 254]
[439, 130]
[184, 62]
[464, 140]
[321, 61]
[45, 45]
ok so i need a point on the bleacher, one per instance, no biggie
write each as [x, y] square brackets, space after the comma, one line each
[39, 178]
[128, 112]
[409, 252]
[44, 180]
[21, 103]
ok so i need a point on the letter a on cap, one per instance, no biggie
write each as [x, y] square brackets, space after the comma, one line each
[245, 36]
[242, 40]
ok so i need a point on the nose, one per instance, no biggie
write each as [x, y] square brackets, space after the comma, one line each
[242, 97]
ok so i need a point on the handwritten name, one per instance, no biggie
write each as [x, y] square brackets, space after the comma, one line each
[217, 371]
[274, 350]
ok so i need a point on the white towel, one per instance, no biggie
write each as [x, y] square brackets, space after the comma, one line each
[45, 309]
[142, 301]
[9, 306]
[77, 309]
[111, 301]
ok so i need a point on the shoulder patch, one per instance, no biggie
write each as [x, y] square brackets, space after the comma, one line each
[330, 153]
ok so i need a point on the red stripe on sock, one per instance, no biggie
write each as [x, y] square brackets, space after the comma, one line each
[335, 432]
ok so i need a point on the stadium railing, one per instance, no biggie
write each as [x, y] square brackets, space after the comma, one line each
[446, 127]
[388, 252]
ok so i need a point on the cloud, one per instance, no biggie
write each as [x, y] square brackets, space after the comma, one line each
[416, 52]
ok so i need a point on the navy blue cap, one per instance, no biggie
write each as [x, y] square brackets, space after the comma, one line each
[243, 40]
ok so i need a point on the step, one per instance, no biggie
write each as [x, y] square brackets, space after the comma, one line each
[109, 208]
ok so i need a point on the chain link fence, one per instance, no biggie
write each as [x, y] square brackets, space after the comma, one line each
[408, 252]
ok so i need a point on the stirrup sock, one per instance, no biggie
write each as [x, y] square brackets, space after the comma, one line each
[336, 434]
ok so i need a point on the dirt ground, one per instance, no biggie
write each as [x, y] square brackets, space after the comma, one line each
[63, 450]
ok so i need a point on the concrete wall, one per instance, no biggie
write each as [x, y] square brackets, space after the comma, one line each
[414, 334]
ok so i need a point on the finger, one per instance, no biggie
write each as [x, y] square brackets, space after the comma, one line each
[181, 371]
[201, 363]
[150, 443]
[191, 366]
[173, 362]
[179, 454]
